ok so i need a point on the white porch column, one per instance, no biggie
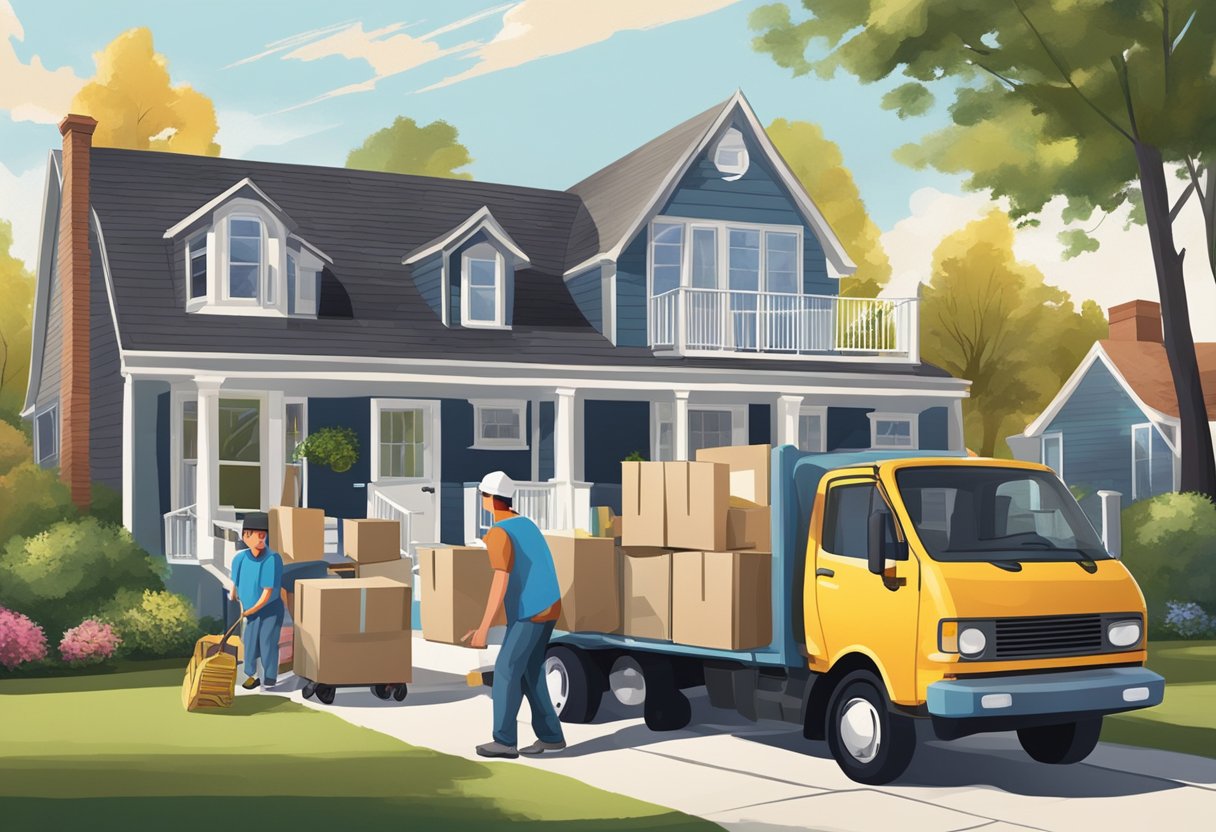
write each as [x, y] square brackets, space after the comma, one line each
[206, 488]
[680, 435]
[128, 453]
[913, 324]
[788, 410]
[954, 426]
[563, 458]
[275, 447]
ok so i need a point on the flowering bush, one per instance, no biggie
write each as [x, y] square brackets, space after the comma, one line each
[89, 642]
[1167, 546]
[1189, 620]
[152, 623]
[21, 640]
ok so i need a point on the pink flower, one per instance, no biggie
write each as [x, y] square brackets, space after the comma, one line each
[89, 642]
[21, 640]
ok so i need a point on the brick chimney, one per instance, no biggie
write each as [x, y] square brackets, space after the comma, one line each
[74, 279]
[1137, 320]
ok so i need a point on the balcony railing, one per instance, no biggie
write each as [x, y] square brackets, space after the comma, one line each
[687, 320]
[181, 535]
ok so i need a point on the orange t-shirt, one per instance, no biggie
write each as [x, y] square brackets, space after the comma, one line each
[502, 558]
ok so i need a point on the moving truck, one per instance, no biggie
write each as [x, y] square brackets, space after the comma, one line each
[972, 594]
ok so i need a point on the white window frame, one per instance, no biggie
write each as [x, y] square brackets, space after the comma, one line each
[731, 140]
[723, 254]
[482, 443]
[913, 420]
[738, 422]
[207, 239]
[1145, 426]
[52, 411]
[263, 463]
[271, 300]
[821, 412]
[430, 443]
[1058, 438]
[225, 264]
[477, 252]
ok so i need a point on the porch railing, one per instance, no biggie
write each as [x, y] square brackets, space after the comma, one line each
[539, 502]
[381, 507]
[181, 535]
[688, 320]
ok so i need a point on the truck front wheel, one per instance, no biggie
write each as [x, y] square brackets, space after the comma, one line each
[1063, 744]
[871, 743]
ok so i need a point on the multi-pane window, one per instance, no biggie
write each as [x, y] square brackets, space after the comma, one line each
[709, 429]
[500, 425]
[402, 444]
[482, 284]
[244, 256]
[189, 472]
[704, 258]
[781, 262]
[1053, 452]
[46, 435]
[667, 256]
[810, 431]
[240, 453]
[744, 259]
[892, 431]
[196, 252]
[1142, 461]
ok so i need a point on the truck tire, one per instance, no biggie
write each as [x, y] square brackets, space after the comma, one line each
[871, 743]
[665, 707]
[576, 683]
[1063, 744]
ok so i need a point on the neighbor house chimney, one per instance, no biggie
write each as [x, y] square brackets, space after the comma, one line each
[1137, 320]
[74, 278]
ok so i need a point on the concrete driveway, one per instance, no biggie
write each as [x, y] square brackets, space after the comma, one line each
[764, 776]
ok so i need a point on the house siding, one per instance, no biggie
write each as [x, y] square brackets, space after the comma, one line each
[934, 429]
[612, 430]
[428, 277]
[631, 293]
[48, 386]
[588, 293]
[105, 384]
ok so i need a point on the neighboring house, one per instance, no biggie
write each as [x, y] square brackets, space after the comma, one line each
[1114, 424]
[196, 317]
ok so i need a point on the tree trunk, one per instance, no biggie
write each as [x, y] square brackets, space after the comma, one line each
[990, 422]
[1198, 469]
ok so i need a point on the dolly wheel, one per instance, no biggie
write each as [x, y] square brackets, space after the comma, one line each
[382, 691]
[400, 692]
[326, 694]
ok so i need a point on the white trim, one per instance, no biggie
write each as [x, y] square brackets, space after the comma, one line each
[217, 201]
[608, 301]
[432, 449]
[482, 219]
[500, 286]
[820, 411]
[105, 270]
[913, 421]
[1149, 426]
[53, 408]
[445, 288]
[731, 140]
[480, 443]
[1059, 438]
[128, 452]
[534, 412]
[287, 460]
[51, 190]
[305, 245]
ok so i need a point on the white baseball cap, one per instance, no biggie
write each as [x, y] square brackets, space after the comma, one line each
[497, 484]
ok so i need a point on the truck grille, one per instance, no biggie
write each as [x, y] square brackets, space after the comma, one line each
[1060, 635]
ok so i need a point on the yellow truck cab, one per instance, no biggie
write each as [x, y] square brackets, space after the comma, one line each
[972, 594]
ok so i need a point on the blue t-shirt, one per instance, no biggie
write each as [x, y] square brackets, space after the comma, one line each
[251, 575]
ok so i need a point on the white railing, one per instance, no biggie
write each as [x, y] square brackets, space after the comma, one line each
[181, 535]
[539, 502]
[720, 320]
[382, 508]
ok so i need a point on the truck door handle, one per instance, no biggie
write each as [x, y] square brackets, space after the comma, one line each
[426, 489]
[825, 573]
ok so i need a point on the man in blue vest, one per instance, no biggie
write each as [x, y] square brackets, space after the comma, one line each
[257, 577]
[526, 583]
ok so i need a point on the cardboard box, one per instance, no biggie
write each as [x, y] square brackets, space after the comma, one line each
[749, 528]
[643, 504]
[454, 586]
[352, 631]
[588, 577]
[646, 592]
[371, 541]
[749, 469]
[698, 495]
[722, 599]
[400, 570]
[298, 534]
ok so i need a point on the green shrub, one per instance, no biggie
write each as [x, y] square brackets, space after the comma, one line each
[31, 500]
[335, 447]
[1169, 544]
[68, 572]
[152, 624]
[106, 504]
[14, 448]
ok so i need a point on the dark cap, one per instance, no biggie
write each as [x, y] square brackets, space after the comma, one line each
[255, 521]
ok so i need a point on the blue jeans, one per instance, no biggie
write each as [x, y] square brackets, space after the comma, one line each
[261, 641]
[518, 673]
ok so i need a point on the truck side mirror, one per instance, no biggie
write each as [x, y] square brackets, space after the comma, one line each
[882, 545]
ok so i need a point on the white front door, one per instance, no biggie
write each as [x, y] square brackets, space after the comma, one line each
[406, 462]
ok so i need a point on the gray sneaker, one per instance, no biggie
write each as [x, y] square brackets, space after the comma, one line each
[497, 749]
[540, 747]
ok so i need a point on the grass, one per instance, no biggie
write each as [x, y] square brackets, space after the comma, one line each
[117, 751]
[1186, 720]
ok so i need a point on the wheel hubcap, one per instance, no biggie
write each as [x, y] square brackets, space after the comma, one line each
[558, 681]
[860, 730]
[627, 682]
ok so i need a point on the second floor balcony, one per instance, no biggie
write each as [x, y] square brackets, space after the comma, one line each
[694, 321]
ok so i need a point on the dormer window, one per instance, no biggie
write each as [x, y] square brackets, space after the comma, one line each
[245, 258]
[730, 155]
[482, 286]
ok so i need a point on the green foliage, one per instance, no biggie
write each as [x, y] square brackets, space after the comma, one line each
[336, 447]
[404, 147]
[31, 499]
[152, 624]
[67, 573]
[16, 314]
[105, 504]
[635, 456]
[1076, 242]
[1167, 545]
[911, 99]
[14, 448]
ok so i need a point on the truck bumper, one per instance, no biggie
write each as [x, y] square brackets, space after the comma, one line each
[1092, 692]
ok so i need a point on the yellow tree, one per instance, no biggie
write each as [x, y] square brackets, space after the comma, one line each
[817, 162]
[406, 147]
[137, 106]
[989, 318]
[17, 292]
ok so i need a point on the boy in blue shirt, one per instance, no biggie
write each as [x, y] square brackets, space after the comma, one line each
[257, 576]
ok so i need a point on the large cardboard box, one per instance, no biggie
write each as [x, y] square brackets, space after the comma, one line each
[588, 577]
[698, 495]
[749, 469]
[371, 541]
[646, 592]
[298, 534]
[352, 631]
[454, 588]
[400, 570]
[749, 528]
[643, 504]
[722, 599]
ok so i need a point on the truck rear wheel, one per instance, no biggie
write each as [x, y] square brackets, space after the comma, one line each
[871, 743]
[664, 707]
[1063, 744]
[576, 683]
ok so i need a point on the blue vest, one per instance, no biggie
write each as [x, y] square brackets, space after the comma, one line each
[532, 587]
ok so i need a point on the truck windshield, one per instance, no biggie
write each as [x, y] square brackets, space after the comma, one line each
[988, 514]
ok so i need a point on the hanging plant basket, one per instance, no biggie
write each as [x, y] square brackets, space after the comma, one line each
[335, 448]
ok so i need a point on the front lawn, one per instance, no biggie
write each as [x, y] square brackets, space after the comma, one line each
[118, 751]
[1186, 720]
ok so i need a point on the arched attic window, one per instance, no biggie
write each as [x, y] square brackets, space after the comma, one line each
[730, 155]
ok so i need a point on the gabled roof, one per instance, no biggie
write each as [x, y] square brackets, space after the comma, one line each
[620, 197]
[481, 220]
[246, 187]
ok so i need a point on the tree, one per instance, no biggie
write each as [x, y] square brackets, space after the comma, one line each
[991, 319]
[817, 162]
[16, 312]
[404, 147]
[136, 105]
[1088, 99]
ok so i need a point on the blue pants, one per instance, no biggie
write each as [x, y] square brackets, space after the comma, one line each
[261, 641]
[520, 672]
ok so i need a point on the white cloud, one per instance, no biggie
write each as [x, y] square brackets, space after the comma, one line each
[241, 132]
[21, 204]
[536, 29]
[1120, 270]
[31, 92]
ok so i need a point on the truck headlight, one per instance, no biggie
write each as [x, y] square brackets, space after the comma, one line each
[1123, 633]
[971, 641]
